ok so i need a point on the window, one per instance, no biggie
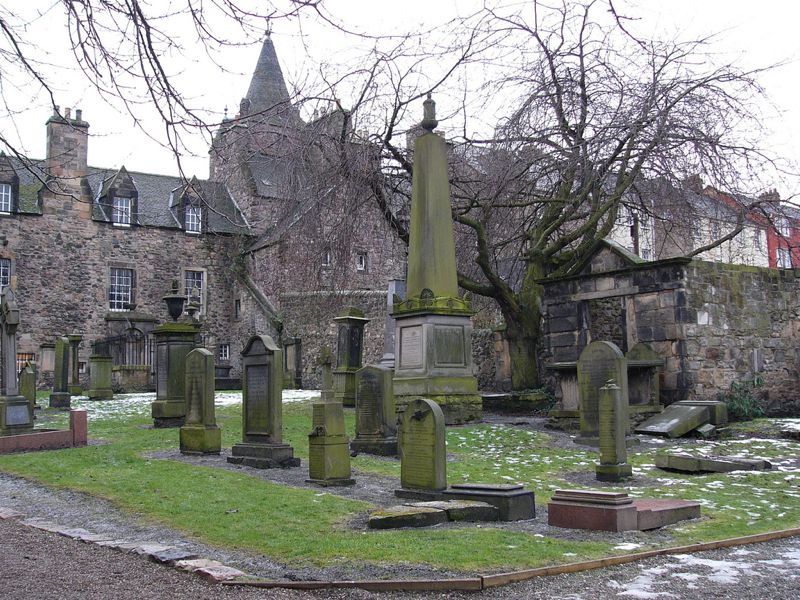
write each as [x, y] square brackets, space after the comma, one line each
[193, 287]
[23, 358]
[224, 352]
[237, 309]
[120, 289]
[194, 219]
[5, 272]
[5, 197]
[784, 258]
[121, 211]
[757, 239]
[361, 261]
[783, 227]
[326, 258]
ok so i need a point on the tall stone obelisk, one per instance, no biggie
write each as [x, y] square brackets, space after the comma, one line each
[433, 331]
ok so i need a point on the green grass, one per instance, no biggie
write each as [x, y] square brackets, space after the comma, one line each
[233, 509]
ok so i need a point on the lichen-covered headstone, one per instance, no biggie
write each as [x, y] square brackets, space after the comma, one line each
[423, 463]
[27, 383]
[613, 423]
[200, 433]
[598, 363]
[328, 448]
[60, 398]
[376, 430]
[74, 348]
[100, 369]
[349, 349]
[262, 444]
[16, 413]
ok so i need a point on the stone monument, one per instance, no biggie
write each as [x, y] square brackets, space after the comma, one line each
[100, 367]
[16, 413]
[328, 451]
[27, 383]
[200, 434]
[433, 331]
[74, 347]
[613, 425]
[262, 444]
[598, 363]
[397, 289]
[423, 462]
[174, 341]
[376, 430]
[349, 348]
[60, 398]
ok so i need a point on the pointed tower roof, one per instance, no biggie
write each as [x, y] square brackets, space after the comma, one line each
[268, 92]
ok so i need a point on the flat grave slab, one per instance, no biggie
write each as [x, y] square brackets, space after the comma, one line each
[615, 511]
[464, 510]
[676, 420]
[406, 516]
[686, 463]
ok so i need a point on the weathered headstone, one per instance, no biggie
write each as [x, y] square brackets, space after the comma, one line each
[433, 331]
[423, 461]
[262, 444]
[349, 349]
[613, 424]
[292, 363]
[27, 383]
[200, 433]
[174, 341]
[60, 398]
[74, 347]
[644, 365]
[328, 450]
[100, 368]
[598, 363]
[16, 413]
[376, 430]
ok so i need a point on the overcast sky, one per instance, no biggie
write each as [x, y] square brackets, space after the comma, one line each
[754, 33]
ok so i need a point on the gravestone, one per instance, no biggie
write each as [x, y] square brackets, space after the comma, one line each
[349, 348]
[598, 363]
[60, 398]
[376, 431]
[262, 444]
[292, 363]
[644, 389]
[16, 413]
[328, 449]
[100, 368]
[613, 424]
[433, 330]
[200, 433]
[74, 347]
[27, 383]
[397, 289]
[423, 466]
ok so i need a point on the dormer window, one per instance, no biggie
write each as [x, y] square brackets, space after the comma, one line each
[5, 198]
[121, 212]
[194, 219]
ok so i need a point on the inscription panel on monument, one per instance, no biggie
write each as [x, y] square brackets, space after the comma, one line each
[448, 345]
[356, 341]
[418, 461]
[17, 415]
[162, 371]
[411, 346]
[195, 386]
[257, 400]
[341, 347]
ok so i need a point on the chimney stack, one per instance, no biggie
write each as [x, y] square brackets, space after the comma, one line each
[67, 147]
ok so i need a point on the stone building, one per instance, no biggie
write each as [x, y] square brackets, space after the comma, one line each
[273, 244]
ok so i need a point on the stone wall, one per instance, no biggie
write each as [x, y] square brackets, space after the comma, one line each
[713, 323]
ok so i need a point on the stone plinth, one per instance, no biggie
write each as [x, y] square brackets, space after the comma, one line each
[513, 502]
[349, 348]
[262, 444]
[328, 448]
[49, 439]
[100, 368]
[174, 341]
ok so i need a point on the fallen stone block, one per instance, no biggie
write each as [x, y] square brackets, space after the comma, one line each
[464, 510]
[220, 573]
[686, 463]
[513, 502]
[652, 514]
[197, 563]
[170, 556]
[406, 516]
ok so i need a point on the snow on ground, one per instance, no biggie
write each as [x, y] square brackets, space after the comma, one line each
[129, 405]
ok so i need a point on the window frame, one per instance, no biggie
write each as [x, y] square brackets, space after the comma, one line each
[121, 290]
[224, 352]
[362, 262]
[6, 270]
[784, 258]
[203, 286]
[124, 212]
[193, 214]
[6, 195]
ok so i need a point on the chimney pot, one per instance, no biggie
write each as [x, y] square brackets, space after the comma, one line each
[67, 112]
[78, 114]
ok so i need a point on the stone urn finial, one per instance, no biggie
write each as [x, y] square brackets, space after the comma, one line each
[175, 301]
[429, 121]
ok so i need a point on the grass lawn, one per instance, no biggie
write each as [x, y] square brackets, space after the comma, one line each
[233, 509]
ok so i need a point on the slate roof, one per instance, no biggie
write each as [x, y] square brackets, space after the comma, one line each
[267, 92]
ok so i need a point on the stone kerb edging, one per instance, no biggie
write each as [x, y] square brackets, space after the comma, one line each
[217, 572]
